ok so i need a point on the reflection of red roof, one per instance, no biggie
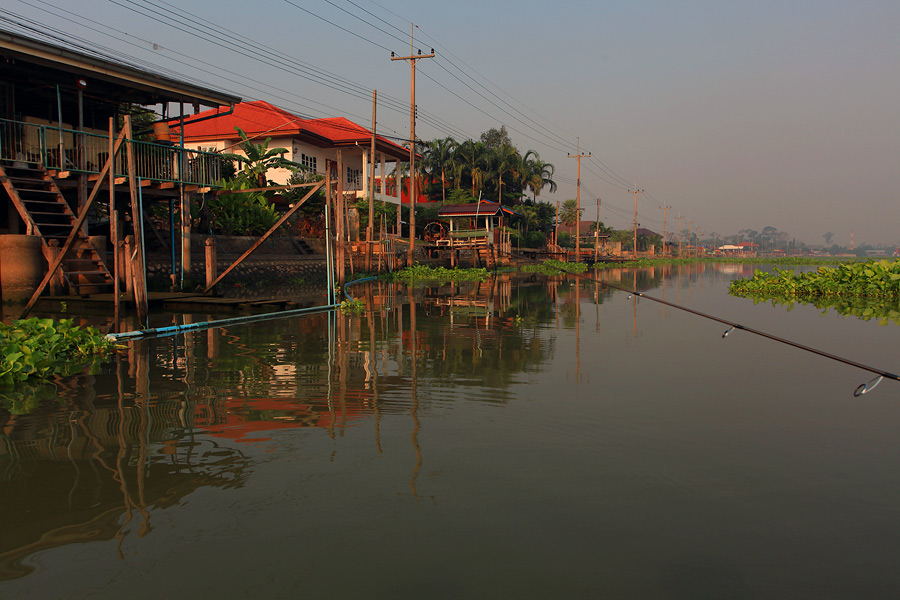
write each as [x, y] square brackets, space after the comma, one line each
[259, 118]
[246, 416]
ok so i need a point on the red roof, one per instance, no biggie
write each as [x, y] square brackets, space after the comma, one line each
[259, 118]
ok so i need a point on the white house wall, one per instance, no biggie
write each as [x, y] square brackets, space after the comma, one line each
[352, 158]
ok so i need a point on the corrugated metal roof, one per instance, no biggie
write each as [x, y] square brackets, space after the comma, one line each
[470, 210]
[263, 119]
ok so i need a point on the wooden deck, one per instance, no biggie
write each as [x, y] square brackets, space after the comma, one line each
[166, 301]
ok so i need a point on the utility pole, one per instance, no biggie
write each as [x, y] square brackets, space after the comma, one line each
[371, 228]
[579, 156]
[556, 228]
[635, 191]
[412, 58]
[679, 217]
[665, 210]
[691, 233]
[597, 234]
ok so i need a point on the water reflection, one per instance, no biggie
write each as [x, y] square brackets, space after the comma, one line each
[91, 458]
[100, 457]
[885, 312]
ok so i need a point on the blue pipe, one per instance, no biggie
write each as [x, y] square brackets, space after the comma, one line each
[349, 283]
[173, 329]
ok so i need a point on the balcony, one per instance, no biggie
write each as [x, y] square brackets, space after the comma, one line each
[66, 150]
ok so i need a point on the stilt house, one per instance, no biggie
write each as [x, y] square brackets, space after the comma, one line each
[56, 104]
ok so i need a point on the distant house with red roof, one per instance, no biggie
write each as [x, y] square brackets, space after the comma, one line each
[310, 142]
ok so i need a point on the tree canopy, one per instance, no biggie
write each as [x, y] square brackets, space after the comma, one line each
[491, 168]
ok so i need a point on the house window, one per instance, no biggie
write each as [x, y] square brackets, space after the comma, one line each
[353, 176]
[309, 162]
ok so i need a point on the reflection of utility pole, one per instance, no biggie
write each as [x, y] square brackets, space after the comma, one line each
[578, 155]
[636, 192]
[665, 210]
[412, 138]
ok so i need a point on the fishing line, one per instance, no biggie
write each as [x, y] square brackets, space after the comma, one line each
[862, 389]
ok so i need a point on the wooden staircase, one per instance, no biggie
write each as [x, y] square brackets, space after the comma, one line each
[47, 214]
[486, 257]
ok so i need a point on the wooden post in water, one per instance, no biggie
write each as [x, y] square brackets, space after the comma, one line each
[56, 283]
[114, 228]
[211, 264]
[129, 250]
[137, 220]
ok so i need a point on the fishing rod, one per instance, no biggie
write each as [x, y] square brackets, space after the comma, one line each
[859, 391]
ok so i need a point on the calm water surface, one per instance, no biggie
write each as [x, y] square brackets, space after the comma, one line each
[529, 437]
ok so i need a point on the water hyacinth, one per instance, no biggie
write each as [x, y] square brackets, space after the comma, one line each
[425, 273]
[871, 279]
[38, 348]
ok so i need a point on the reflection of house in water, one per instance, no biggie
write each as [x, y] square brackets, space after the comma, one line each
[85, 475]
[248, 419]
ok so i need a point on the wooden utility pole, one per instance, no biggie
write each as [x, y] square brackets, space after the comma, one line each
[597, 234]
[412, 58]
[556, 228]
[679, 217]
[578, 155]
[691, 233]
[371, 226]
[635, 191]
[340, 222]
[665, 210]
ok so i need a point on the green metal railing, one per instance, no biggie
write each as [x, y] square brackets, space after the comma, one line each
[62, 149]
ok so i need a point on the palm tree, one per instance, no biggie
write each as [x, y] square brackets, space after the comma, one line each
[470, 154]
[537, 174]
[505, 162]
[569, 213]
[438, 158]
[530, 218]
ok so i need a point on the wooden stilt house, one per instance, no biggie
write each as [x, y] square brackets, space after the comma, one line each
[56, 109]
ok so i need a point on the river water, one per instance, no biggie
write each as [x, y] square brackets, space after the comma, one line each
[527, 437]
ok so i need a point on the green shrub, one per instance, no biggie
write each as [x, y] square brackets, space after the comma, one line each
[241, 214]
[419, 272]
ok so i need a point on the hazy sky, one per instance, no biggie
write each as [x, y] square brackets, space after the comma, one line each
[737, 114]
